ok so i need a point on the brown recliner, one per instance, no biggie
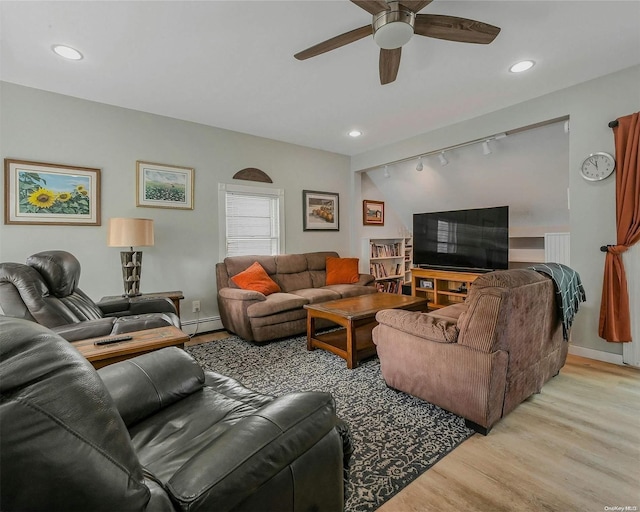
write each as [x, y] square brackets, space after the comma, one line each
[478, 359]
[46, 291]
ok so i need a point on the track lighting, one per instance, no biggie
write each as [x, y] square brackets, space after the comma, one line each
[486, 149]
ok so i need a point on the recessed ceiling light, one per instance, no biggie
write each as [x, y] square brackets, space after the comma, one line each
[521, 66]
[67, 52]
[355, 133]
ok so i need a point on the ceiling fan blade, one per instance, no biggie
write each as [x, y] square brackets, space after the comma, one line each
[372, 6]
[415, 5]
[452, 28]
[335, 42]
[389, 64]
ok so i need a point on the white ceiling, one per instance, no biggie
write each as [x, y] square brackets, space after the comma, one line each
[230, 63]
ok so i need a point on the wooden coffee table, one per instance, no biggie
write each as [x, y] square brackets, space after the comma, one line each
[141, 343]
[357, 316]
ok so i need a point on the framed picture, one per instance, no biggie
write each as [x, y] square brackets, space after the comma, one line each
[164, 186]
[42, 193]
[372, 213]
[320, 210]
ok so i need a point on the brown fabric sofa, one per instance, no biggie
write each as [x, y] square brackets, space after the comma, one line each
[478, 359]
[302, 279]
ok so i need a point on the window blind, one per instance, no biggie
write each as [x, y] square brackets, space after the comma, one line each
[252, 223]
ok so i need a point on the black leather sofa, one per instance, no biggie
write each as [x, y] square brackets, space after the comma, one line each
[45, 290]
[156, 433]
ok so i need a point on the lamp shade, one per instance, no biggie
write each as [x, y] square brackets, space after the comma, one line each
[125, 232]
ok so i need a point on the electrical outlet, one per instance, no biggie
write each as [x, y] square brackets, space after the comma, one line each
[195, 306]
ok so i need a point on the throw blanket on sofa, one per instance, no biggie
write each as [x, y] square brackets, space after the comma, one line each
[569, 291]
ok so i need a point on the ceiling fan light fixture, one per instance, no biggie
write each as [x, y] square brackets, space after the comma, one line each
[393, 28]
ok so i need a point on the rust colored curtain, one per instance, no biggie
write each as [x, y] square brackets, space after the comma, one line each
[615, 320]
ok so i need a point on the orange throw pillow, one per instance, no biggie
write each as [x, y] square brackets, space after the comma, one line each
[342, 270]
[255, 278]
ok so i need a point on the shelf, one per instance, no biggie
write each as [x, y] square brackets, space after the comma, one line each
[444, 283]
[526, 255]
[387, 278]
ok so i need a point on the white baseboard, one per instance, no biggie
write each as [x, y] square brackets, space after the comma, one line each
[203, 325]
[598, 355]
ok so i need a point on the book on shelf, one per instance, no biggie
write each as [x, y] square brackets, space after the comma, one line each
[385, 250]
[393, 286]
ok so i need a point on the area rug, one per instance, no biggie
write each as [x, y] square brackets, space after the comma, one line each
[396, 437]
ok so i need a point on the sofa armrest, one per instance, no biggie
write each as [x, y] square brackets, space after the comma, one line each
[130, 323]
[135, 305]
[422, 325]
[366, 280]
[233, 304]
[85, 330]
[142, 385]
[240, 294]
[255, 450]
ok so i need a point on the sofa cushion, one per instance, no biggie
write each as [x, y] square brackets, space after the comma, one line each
[315, 295]
[276, 303]
[317, 262]
[351, 290]
[236, 264]
[256, 279]
[422, 325]
[342, 270]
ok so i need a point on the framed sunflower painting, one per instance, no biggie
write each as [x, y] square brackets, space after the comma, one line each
[41, 193]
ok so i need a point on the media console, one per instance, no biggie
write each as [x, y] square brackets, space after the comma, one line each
[441, 287]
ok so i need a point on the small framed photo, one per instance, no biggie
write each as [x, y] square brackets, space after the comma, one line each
[372, 213]
[55, 194]
[320, 210]
[164, 186]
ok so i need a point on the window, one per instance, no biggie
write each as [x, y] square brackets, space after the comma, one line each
[251, 220]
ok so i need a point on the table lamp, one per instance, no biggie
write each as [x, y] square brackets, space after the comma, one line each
[124, 232]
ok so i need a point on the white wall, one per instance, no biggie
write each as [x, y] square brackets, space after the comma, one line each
[46, 127]
[527, 170]
[590, 106]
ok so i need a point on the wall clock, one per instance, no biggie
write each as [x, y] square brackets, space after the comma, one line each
[597, 166]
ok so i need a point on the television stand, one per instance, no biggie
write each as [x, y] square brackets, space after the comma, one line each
[441, 287]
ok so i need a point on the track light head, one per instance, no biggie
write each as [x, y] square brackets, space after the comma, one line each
[443, 159]
[419, 167]
[485, 148]
[386, 172]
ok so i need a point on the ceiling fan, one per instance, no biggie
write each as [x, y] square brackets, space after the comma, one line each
[394, 23]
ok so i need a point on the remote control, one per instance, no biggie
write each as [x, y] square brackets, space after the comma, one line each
[112, 339]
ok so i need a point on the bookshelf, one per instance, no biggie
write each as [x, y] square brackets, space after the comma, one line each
[389, 260]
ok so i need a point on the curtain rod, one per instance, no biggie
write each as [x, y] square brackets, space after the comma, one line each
[613, 124]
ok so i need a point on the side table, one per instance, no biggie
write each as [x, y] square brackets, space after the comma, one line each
[175, 297]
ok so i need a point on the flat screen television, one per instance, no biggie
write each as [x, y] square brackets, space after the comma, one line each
[472, 240]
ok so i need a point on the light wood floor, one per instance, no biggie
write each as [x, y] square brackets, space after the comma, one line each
[573, 447]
